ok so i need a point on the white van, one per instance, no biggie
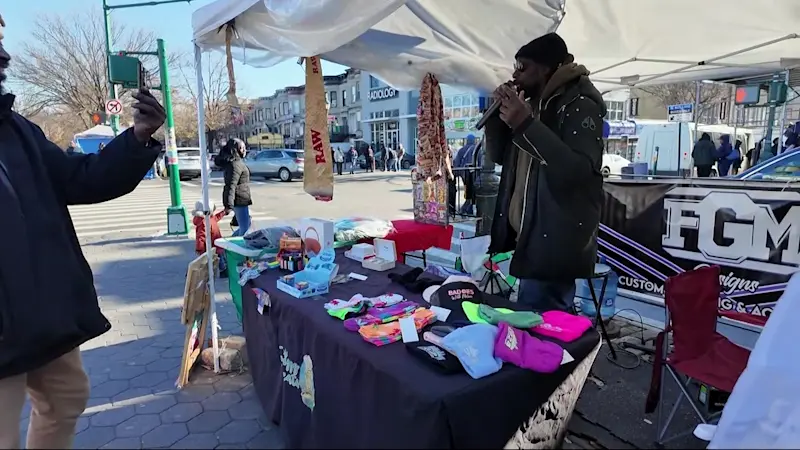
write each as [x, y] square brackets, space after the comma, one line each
[665, 153]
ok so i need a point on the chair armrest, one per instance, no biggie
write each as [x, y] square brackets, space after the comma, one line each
[744, 317]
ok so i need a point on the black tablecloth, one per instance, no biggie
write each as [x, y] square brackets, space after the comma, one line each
[378, 397]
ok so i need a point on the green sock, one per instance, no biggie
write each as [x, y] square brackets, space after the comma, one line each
[342, 313]
[471, 310]
[517, 319]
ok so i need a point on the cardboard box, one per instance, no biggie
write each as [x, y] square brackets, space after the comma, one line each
[317, 235]
[315, 279]
[360, 252]
[385, 256]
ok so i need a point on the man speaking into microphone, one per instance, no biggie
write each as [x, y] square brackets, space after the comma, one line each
[548, 138]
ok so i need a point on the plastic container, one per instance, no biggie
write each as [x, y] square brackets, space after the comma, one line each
[608, 304]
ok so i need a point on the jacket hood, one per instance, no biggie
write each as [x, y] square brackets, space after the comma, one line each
[705, 137]
[470, 139]
[726, 139]
[573, 74]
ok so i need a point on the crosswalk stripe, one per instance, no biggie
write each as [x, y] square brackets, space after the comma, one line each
[141, 211]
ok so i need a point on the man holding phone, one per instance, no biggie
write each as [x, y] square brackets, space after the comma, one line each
[548, 138]
[48, 304]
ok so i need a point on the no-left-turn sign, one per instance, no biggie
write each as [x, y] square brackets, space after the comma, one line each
[114, 107]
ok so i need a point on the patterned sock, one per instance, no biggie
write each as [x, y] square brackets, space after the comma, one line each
[517, 319]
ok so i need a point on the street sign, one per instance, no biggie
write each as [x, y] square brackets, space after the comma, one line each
[680, 113]
[114, 107]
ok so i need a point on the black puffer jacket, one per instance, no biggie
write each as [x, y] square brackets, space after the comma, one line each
[562, 201]
[237, 181]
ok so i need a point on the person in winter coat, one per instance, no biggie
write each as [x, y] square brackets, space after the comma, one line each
[391, 159]
[549, 140]
[401, 153]
[338, 159]
[704, 155]
[48, 301]
[723, 155]
[737, 163]
[352, 155]
[236, 193]
[370, 159]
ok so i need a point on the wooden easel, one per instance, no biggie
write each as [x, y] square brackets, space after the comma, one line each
[195, 314]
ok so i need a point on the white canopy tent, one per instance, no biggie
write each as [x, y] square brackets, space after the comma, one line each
[471, 43]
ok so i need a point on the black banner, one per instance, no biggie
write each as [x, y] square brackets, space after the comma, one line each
[656, 229]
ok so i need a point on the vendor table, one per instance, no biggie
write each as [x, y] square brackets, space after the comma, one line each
[409, 236]
[328, 388]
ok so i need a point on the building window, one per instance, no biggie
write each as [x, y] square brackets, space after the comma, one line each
[616, 111]
[275, 112]
[357, 92]
[358, 120]
[633, 108]
[334, 102]
[723, 109]
[295, 106]
[374, 83]
[284, 108]
[344, 98]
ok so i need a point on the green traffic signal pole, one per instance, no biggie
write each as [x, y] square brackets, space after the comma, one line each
[112, 89]
[176, 214]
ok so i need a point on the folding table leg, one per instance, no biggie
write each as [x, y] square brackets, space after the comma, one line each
[599, 319]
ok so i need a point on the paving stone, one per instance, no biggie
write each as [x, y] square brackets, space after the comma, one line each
[138, 425]
[83, 424]
[125, 372]
[164, 435]
[209, 422]
[148, 379]
[221, 401]
[248, 392]
[198, 441]
[164, 364]
[267, 439]
[131, 396]
[202, 377]
[155, 404]
[112, 417]
[181, 412]
[110, 388]
[238, 432]
[247, 409]
[143, 359]
[173, 352]
[122, 443]
[194, 393]
[232, 383]
[98, 379]
[94, 437]
[166, 387]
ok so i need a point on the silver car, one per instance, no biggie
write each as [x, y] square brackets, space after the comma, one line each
[189, 163]
[284, 164]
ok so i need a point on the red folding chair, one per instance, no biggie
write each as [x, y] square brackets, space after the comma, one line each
[699, 353]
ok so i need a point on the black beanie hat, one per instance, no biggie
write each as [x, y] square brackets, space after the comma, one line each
[549, 50]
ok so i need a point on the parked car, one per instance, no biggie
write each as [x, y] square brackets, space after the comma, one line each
[189, 163]
[783, 167]
[284, 164]
[613, 164]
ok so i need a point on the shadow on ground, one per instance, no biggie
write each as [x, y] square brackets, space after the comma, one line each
[610, 411]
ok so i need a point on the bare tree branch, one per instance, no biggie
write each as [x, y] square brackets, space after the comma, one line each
[677, 93]
[215, 88]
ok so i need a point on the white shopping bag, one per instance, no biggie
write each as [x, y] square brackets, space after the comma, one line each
[474, 252]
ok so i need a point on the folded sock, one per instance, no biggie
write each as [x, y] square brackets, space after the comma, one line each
[386, 333]
[355, 323]
[376, 316]
[523, 350]
[347, 312]
[517, 319]
[382, 301]
[340, 304]
[471, 310]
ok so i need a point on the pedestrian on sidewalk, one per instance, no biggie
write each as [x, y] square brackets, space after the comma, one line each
[704, 155]
[236, 193]
[338, 158]
[48, 302]
[370, 159]
[353, 155]
[384, 158]
[401, 153]
[198, 220]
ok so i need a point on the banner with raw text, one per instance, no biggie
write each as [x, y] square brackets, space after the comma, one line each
[653, 230]
[318, 168]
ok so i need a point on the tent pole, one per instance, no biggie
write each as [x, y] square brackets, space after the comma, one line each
[783, 113]
[201, 136]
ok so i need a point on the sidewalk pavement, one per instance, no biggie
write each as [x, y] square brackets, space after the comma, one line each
[133, 367]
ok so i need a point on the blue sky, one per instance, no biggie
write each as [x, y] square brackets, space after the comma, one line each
[173, 23]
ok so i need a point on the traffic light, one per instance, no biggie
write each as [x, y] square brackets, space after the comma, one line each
[98, 118]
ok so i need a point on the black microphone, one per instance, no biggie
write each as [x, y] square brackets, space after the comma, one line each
[493, 109]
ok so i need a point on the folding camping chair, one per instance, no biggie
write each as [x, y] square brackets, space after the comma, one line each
[700, 353]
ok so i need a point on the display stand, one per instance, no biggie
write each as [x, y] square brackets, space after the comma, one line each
[493, 281]
[195, 313]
